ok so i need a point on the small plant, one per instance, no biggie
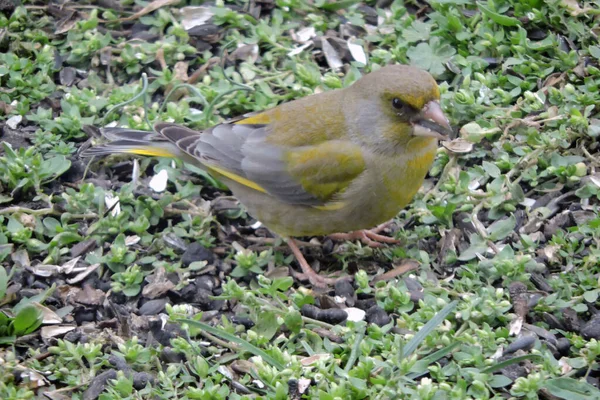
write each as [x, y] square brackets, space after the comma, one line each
[21, 320]
[250, 262]
[134, 353]
[24, 169]
[129, 281]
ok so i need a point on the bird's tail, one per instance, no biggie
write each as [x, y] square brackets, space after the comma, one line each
[129, 141]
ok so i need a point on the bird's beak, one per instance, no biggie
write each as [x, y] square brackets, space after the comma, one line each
[431, 122]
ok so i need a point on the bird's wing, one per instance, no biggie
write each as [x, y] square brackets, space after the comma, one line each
[312, 175]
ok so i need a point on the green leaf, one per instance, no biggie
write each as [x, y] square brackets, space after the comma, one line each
[431, 56]
[266, 325]
[293, 321]
[590, 296]
[335, 5]
[245, 345]
[417, 31]
[3, 282]
[498, 381]
[510, 361]
[54, 167]
[491, 169]
[27, 320]
[14, 226]
[7, 339]
[594, 51]
[571, 389]
[478, 246]
[500, 19]
[517, 193]
[283, 283]
[52, 224]
[131, 291]
[5, 199]
[238, 272]
[412, 345]
[360, 335]
[421, 367]
[502, 228]
[38, 298]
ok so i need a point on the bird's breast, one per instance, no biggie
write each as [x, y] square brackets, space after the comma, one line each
[401, 177]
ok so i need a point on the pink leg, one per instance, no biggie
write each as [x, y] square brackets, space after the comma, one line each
[370, 237]
[309, 273]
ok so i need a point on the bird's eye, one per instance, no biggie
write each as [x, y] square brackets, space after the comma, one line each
[398, 104]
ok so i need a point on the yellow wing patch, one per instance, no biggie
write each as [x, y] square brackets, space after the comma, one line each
[238, 179]
[336, 205]
[258, 119]
[155, 151]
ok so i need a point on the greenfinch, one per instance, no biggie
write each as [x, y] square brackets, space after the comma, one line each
[338, 161]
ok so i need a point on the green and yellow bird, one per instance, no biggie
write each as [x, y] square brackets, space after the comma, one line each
[338, 161]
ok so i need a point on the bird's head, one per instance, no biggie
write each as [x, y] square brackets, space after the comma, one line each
[394, 107]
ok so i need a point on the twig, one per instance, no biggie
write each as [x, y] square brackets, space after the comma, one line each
[214, 339]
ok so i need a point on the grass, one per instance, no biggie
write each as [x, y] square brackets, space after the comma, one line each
[506, 228]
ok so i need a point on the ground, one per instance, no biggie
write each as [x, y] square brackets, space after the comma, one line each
[119, 281]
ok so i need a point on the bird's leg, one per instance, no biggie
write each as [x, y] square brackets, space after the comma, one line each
[370, 237]
[307, 271]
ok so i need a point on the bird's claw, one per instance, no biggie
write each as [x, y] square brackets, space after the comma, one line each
[369, 237]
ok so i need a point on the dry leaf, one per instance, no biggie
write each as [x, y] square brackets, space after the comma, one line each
[195, 16]
[245, 52]
[82, 275]
[314, 358]
[48, 316]
[90, 296]
[574, 7]
[331, 55]
[49, 332]
[131, 240]
[304, 35]
[31, 378]
[14, 121]
[158, 284]
[180, 72]
[357, 51]
[299, 49]
[458, 146]
[403, 268]
[112, 203]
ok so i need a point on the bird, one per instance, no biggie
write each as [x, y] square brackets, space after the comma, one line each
[334, 163]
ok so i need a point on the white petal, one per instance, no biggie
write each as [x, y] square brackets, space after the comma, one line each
[158, 183]
[48, 332]
[304, 34]
[355, 314]
[195, 16]
[299, 49]
[256, 225]
[131, 240]
[331, 55]
[527, 202]
[357, 51]
[14, 121]
[111, 200]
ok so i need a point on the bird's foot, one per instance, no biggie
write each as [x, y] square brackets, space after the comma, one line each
[308, 273]
[319, 281]
[369, 237]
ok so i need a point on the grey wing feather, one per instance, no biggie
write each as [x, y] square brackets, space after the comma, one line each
[243, 150]
[114, 134]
